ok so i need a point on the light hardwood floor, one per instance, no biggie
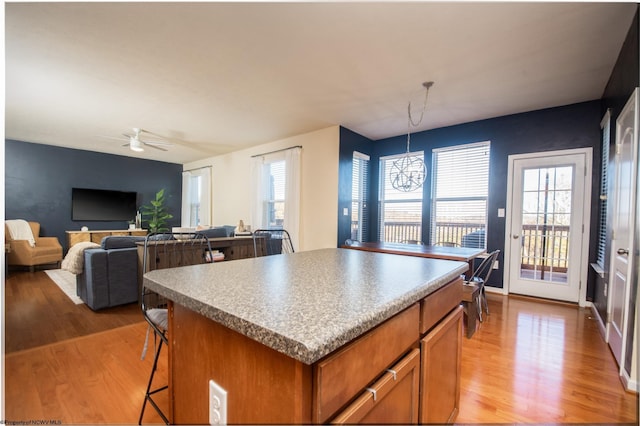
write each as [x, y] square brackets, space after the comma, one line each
[37, 312]
[534, 361]
[530, 362]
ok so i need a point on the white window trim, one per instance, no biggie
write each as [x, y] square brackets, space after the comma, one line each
[434, 199]
[381, 194]
[205, 201]
[292, 156]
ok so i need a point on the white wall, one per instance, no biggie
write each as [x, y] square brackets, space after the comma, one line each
[231, 185]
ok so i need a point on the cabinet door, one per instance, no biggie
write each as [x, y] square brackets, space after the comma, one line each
[440, 379]
[393, 399]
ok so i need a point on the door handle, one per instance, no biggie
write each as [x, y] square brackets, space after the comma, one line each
[622, 251]
[515, 237]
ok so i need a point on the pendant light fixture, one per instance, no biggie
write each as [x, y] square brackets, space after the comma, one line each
[408, 172]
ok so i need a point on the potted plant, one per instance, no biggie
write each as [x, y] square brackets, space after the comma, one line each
[155, 214]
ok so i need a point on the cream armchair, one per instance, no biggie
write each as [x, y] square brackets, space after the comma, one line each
[47, 249]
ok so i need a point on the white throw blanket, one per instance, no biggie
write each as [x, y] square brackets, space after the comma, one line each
[74, 260]
[19, 229]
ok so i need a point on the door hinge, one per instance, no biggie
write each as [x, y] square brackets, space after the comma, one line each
[618, 148]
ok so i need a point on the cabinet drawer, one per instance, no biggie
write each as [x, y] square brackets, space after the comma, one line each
[436, 305]
[342, 375]
[393, 399]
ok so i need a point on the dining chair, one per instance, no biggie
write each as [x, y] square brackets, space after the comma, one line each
[277, 241]
[161, 251]
[479, 277]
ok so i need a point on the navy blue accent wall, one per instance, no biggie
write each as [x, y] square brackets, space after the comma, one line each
[349, 142]
[624, 78]
[572, 126]
[39, 178]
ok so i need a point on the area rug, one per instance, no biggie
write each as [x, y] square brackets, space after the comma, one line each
[67, 283]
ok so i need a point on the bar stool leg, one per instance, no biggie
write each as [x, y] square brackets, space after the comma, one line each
[149, 392]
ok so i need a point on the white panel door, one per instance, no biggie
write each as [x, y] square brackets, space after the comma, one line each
[624, 194]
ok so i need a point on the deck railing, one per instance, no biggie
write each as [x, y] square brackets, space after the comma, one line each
[400, 232]
[545, 248]
[453, 233]
[542, 248]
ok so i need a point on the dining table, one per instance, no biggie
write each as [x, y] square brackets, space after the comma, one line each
[462, 254]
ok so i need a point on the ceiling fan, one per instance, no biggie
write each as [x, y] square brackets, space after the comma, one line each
[137, 142]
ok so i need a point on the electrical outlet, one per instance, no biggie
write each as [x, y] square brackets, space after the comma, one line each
[217, 404]
[496, 265]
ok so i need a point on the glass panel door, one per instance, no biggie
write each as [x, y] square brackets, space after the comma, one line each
[546, 219]
[546, 235]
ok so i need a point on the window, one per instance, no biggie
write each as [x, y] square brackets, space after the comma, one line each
[400, 212]
[605, 125]
[459, 195]
[360, 197]
[276, 198]
[274, 202]
[195, 197]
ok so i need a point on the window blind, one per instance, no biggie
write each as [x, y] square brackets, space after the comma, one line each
[602, 225]
[460, 193]
[360, 197]
[400, 212]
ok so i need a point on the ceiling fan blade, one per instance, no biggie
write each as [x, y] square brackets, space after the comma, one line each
[154, 146]
[148, 132]
[157, 143]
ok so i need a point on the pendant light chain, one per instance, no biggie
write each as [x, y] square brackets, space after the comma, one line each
[408, 172]
[427, 85]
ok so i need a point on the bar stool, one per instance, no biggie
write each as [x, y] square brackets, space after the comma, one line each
[168, 250]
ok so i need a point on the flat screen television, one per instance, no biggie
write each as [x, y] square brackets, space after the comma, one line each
[102, 205]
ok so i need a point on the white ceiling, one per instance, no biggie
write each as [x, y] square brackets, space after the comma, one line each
[217, 77]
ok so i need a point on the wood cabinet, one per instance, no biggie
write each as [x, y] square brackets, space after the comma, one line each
[440, 352]
[365, 359]
[392, 399]
[394, 373]
[75, 237]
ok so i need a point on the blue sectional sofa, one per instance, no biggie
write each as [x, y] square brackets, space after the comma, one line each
[110, 274]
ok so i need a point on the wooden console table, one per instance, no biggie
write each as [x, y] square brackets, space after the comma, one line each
[75, 237]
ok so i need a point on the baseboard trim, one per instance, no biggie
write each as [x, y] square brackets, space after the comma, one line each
[497, 290]
[629, 385]
[601, 327]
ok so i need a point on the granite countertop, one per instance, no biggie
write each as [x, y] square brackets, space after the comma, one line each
[306, 304]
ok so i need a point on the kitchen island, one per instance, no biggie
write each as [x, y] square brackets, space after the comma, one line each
[330, 335]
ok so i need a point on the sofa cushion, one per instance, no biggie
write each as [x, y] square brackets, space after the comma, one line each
[117, 242]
